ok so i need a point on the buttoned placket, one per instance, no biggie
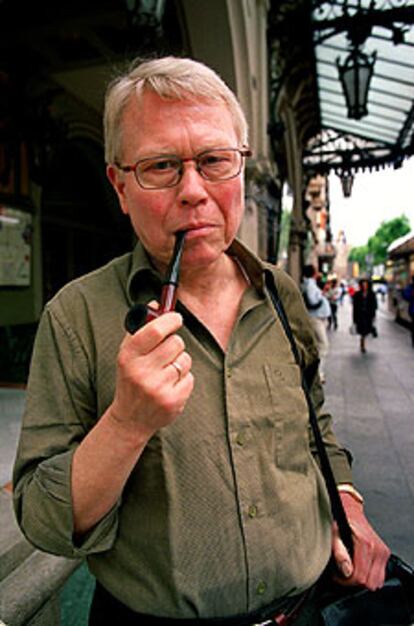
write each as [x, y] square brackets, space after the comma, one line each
[248, 491]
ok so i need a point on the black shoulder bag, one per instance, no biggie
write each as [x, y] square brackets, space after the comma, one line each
[343, 606]
[309, 306]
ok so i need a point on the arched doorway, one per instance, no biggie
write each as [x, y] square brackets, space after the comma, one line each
[82, 225]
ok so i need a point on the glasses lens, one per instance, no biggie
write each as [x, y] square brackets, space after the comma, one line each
[158, 172]
[220, 164]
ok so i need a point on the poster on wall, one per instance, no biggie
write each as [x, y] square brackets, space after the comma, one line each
[15, 247]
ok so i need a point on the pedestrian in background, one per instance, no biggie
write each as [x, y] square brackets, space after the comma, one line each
[364, 305]
[319, 312]
[382, 290]
[408, 295]
[343, 291]
[333, 293]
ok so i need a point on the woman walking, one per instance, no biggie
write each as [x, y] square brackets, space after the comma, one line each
[364, 308]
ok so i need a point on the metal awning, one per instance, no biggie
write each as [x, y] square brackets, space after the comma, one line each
[402, 245]
[385, 136]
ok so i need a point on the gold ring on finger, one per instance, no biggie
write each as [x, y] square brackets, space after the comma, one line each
[178, 369]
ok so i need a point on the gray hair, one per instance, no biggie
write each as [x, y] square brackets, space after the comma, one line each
[172, 78]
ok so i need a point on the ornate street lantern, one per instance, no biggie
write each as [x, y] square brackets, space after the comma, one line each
[355, 76]
[145, 22]
[347, 180]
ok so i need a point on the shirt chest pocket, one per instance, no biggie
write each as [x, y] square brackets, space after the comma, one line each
[291, 417]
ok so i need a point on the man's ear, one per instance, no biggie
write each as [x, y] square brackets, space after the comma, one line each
[117, 181]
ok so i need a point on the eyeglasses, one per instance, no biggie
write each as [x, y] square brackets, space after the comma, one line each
[160, 172]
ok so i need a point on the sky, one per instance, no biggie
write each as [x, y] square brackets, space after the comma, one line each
[376, 197]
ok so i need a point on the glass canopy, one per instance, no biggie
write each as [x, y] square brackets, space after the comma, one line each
[385, 135]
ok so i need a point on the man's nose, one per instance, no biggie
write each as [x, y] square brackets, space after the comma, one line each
[191, 188]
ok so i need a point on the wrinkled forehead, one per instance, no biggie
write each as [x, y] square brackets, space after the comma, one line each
[144, 97]
[153, 116]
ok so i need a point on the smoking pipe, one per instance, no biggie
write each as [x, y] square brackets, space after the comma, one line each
[140, 314]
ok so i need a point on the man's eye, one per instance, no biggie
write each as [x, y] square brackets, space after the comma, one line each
[215, 159]
[167, 164]
[159, 165]
[212, 159]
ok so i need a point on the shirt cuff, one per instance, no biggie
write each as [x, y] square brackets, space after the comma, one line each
[44, 511]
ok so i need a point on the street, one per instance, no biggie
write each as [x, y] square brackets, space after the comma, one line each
[372, 399]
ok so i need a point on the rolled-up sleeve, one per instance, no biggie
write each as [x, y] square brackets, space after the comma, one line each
[60, 409]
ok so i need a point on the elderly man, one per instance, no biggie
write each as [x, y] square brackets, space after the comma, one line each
[177, 460]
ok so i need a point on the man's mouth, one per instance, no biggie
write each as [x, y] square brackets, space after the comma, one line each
[197, 230]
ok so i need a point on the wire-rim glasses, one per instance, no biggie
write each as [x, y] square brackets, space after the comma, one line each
[161, 172]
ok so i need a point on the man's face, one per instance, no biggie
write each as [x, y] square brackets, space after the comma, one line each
[211, 212]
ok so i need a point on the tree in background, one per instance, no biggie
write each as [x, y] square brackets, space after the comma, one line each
[374, 252]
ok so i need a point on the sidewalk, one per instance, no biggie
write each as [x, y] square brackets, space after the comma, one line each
[372, 399]
[11, 409]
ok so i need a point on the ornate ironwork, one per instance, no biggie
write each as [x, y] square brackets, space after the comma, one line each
[341, 152]
[358, 18]
[291, 62]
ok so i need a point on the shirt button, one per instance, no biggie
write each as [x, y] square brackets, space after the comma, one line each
[229, 373]
[252, 511]
[241, 438]
[261, 588]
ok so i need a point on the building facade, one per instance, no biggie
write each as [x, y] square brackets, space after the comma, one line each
[59, 215]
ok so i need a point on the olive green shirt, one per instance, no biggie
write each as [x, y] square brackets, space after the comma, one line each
[226, 509]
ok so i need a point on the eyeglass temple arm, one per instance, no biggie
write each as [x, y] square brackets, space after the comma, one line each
[124, 168]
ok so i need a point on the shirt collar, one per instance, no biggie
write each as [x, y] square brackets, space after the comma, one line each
[252, 265]
[144, 277]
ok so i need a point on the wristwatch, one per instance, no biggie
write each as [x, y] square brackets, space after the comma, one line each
[348, 488]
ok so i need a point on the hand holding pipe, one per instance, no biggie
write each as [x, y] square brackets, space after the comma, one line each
[140, 314]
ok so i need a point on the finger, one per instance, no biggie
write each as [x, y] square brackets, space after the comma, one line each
[183, 389]
[341, 555]
[354, 571]
[363, 563]
[166, 352]
[376, 577]
[155, 332]
[180, 367]
[370, 554]
[149, 371]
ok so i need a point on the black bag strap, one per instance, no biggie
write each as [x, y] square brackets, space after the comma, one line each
[337, 507]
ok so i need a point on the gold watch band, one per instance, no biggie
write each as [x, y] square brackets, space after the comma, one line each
[348, 488]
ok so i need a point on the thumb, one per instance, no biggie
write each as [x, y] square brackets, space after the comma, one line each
[154, 305]
[342, 557]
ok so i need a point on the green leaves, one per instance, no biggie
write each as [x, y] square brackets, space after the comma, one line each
[375, 250]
